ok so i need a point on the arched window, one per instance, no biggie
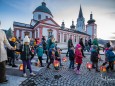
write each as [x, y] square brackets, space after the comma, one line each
[75, 38]
[65, 37]
[59, 37]
[39, 17]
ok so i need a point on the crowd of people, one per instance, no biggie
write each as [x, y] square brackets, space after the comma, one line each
[27, 48]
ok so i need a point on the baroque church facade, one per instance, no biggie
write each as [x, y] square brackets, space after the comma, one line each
[43, 24]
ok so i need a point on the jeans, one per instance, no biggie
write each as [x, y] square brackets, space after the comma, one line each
[78, 66]
[71, 64]
[26, 62]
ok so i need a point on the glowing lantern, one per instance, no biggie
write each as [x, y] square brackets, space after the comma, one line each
[37, 63]
[103, 69]
[114, 62]
[64, 59]
[56, 64]
[89, 65]
[76, 63]
[17, 52]
[21, 67]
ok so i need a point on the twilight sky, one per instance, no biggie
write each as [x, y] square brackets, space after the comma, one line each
[62, 10]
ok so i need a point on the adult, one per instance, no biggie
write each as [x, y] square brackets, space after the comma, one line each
[3, 56]
[70, 44]
[44, 47]
[82, 45]
[95, 42]
[50, 41]
[86, 45]
[89, 43]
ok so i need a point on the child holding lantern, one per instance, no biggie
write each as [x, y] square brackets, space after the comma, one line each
[40, 51]
[51, 54]
[94, 58]
[111, 59]
[25, 56]
[58, 55]
[78, 58]
[71, 57]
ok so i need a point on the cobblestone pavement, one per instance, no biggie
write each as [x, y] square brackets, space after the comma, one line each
[67, 77]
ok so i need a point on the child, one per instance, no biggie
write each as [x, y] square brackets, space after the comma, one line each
[111, 59]
[78, 58]
[11, 53]
[94, 58]
[51, 55]
[58, 54]
[40, 53]
[25, 56]
[106, 49]
[71, 57]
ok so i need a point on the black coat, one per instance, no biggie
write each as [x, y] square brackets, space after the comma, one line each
[94, 56]
[71, 54]
[11, 53]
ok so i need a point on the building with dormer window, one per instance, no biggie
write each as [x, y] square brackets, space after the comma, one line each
[43, 24]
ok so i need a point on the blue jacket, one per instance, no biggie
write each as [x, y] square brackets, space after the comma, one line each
[40, 51]
[110, 55]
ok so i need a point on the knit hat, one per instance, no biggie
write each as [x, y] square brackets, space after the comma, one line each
[94, 46]
[40, 45]
[26, 39]
[13, 39]
[78, 46]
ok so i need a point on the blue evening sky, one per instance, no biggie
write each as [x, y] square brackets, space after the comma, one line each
[67, 10]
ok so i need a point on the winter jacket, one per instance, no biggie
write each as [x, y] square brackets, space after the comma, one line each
[110, 55]
[57, 55]
[51, 54]
[94, 55]
[25, 52]
[39, 51]
[3, 42]
[78, 56]
[71, 54]
[11, 53]
[70, 44]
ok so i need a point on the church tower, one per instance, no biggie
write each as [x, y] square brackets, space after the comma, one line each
[80, 26]
[91, 27]
[72, 26]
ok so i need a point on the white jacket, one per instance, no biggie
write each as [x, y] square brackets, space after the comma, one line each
[3, 41]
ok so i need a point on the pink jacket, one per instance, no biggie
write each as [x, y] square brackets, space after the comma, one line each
[78, 56]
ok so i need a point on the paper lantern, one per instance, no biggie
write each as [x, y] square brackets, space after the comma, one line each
[56, 64]
[64, 59]
[89, 65]
[21, 67]
[102, 68]
[17, 52]
[37, 63]
[76, 63]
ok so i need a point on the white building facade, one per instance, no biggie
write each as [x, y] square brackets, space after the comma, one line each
[43, 24]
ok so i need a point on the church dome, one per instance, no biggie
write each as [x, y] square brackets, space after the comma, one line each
[43, 8]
